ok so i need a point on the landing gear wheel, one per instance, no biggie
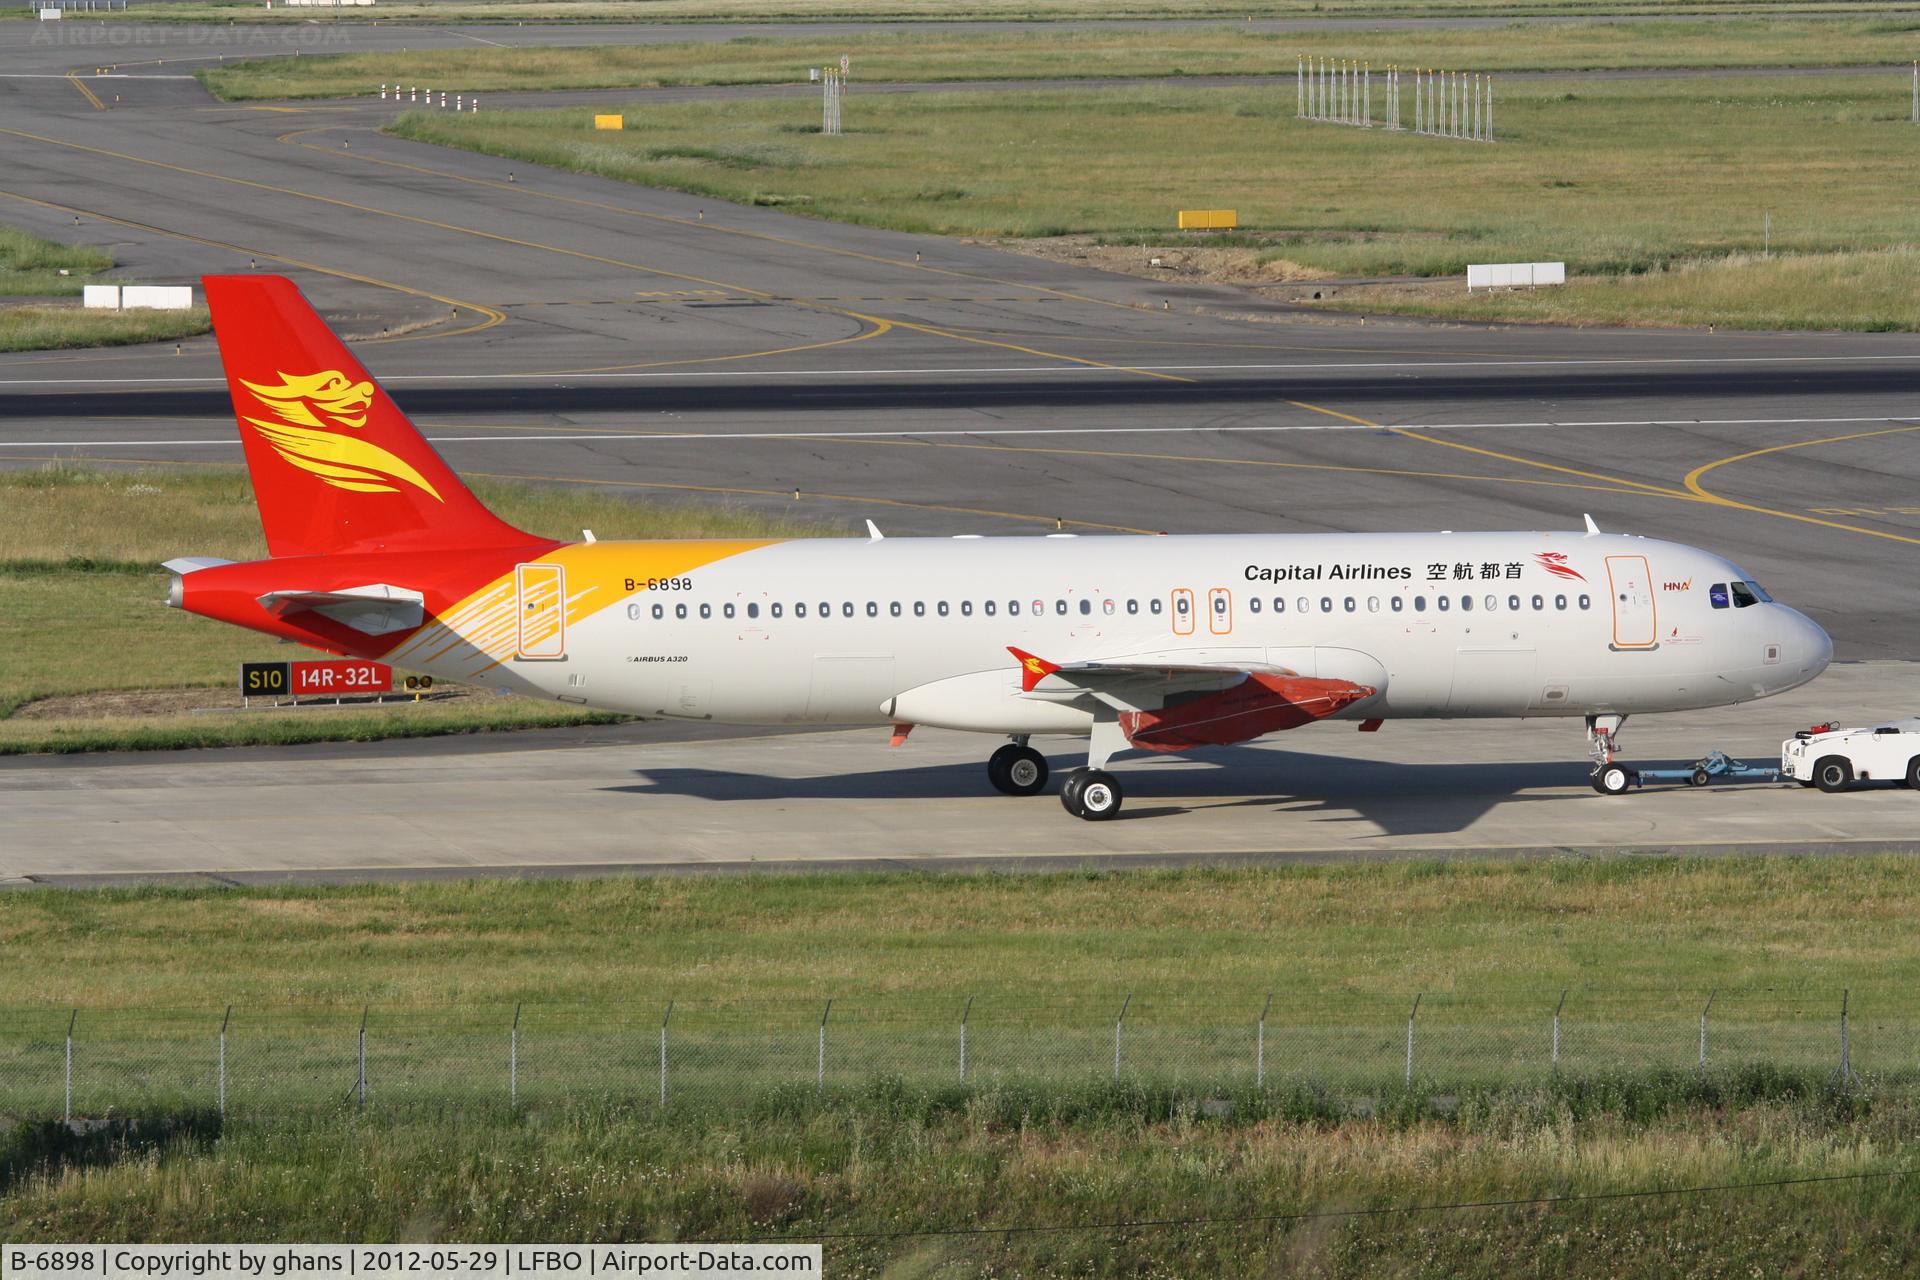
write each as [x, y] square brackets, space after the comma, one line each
[1092, 794]
[1017, 770]
[1699, 778]
[1612, 779]
[1913, 773]
[1832, 774]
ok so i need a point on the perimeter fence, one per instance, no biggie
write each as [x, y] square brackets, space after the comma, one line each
[261, 1061]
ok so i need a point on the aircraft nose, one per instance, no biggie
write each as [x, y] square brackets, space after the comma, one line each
[1810, 647]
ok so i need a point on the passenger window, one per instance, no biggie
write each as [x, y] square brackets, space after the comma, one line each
[1559, 602]
[633, 612]
[1743, 596]
[659, 611]
[1060, 607]
[1444, 602]
[894, 608]
[1180, 605]
[1133, 606]
[966, 608]
[1013, 608]
[1466, 604]
[873, 608]
[800, 609]
[753, 610]
[987, 606]
[846, 608]
[1493, 603]
[1039, 608]
[1086, 607]
[919, 608]
[826, 610]
[774, 610]
[1539, 603]
[1326, 604]
[1419, 604]
[1399, 604]
[1586, 602]
[1350, 603]
[1717, 595]
[1153, 605]
[680, 611]
[1303, 605]
[941, 608]
[1373, 604]
[1253, 604]
[1513, 602]
[1279, 604]
[727, 609]
[1106, 607]
[1220, 606]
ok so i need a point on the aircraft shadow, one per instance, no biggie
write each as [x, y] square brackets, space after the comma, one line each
[1396, 798]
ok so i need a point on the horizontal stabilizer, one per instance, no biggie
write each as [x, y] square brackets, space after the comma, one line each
[375, 609]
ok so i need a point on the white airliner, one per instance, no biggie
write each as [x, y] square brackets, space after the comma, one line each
[1145, 643]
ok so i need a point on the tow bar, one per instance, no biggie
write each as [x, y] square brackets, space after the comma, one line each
[1715, 766]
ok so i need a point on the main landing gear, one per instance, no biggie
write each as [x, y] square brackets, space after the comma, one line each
[1603, 744]
[1018, 770]
[1092, 794]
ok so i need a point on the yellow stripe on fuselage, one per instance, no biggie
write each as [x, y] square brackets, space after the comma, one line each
[481, 630]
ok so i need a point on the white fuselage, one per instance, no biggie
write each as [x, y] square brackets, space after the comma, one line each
[916, 630]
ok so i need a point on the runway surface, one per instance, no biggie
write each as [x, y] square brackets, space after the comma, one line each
[565, 328]
[577, 803]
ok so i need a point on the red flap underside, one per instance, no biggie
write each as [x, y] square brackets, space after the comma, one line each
[1260, 704]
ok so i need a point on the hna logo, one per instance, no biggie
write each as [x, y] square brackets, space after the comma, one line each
[307, 405]
[1677, 586]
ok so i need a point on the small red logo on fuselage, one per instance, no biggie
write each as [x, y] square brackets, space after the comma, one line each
[1677, 586]
[1555, 563]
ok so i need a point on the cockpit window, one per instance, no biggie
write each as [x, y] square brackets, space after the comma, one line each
[1743, 596]
[1717, 593]
[1759, 590]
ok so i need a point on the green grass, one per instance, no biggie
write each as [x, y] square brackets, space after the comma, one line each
[34, 328]
[34, 268]
[466, 11]
[1877, 290]
[82, 602]
[1363, 939]
[31, 267]
[1614, 178]
[888, 1161]
[766, 1155]
[1068, 54]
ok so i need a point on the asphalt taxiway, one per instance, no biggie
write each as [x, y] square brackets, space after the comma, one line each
[560, 327]
[720, 801]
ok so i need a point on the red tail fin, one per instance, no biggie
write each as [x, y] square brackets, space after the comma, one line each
[336, 466]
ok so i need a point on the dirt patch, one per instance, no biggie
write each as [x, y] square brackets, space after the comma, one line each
[165, 702]
[1278, 278]
[1186, 261]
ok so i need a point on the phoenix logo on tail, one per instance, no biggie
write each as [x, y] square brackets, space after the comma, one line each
[306, 405]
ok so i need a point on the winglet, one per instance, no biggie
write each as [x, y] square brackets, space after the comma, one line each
[1592, 528]
[873, 532]
[1032, 669]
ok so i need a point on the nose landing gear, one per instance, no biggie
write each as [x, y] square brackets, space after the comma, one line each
[1603, 744]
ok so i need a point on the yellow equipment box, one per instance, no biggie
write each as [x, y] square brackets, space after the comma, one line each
[609, 122]
[1209, 219]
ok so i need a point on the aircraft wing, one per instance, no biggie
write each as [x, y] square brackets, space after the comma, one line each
[375, 609]
[1175, 707]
